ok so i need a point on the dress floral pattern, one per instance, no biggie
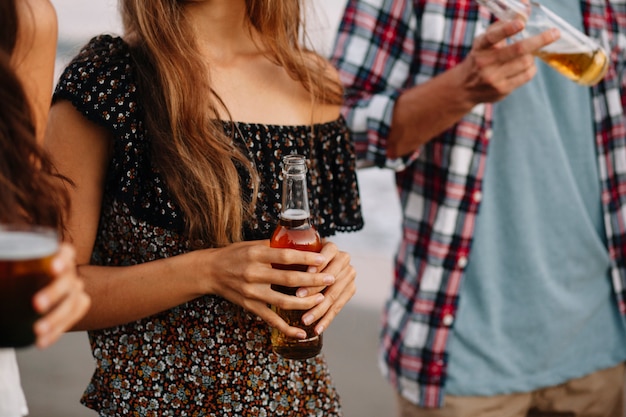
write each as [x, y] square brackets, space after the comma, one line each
[207, 357]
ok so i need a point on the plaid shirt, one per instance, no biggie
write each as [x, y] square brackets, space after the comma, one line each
[386, 46]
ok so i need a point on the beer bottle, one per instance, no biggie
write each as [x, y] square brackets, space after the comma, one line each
[295, 231]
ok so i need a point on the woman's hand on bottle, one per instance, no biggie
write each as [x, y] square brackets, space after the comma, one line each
[61, 303]
[243, 274]
[336, 295]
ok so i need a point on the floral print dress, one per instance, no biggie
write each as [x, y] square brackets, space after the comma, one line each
[207, 357]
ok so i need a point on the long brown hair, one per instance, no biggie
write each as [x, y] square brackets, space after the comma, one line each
[29, 192]
[190, 147]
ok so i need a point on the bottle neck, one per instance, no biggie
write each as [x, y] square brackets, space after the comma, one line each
[295, 201]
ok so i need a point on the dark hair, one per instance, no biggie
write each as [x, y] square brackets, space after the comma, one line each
[30, 191]
[8, 25]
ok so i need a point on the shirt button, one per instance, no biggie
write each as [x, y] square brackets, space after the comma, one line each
[448, 319]
[478, 196]
[462, 262]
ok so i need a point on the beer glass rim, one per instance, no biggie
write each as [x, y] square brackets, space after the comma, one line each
[31, 228]
[35, 242]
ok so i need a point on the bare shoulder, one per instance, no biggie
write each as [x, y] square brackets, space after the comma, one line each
[323, 64]
[34, 55]
[38, 24]
[325, 112]
[37, 33]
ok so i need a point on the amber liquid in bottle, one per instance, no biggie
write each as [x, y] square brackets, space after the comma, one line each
[295, 231]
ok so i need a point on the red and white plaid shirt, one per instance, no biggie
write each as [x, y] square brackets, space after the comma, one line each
[386, 46]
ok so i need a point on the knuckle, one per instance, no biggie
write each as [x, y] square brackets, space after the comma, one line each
[489, 79]
[249, 273]
[344, 257]
[528, 61]
[247, 292]
[243, 301]
[480, 63]
[332, 297]
[527, 75]
[285, 256]
[291, 279]
[530, 73]
[248, 305]
[547, 38]
[518, 48]
[334, 311]
[332, 245]
[253, 251]
[502, 90]
[352, 290]
[280, 303]
[273, 321]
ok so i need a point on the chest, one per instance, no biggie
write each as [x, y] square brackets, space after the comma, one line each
[260, 92]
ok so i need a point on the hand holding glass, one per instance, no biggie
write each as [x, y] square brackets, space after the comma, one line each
[26, 254]
[574, 54]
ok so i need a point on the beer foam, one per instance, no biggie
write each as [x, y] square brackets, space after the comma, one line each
[294, 214]
[23, 245]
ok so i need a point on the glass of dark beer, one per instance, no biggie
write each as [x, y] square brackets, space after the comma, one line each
[26, 254]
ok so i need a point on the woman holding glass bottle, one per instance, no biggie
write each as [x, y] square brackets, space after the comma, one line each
[173, 135]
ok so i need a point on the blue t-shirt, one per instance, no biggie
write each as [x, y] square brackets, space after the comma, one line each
[536, 305]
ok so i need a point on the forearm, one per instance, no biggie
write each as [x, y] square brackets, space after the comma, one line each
[241, 273]
[124, 294]
[426, 110]
[491, 71]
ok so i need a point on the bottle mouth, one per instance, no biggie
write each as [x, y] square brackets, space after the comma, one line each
[294, 159]
[294, 165]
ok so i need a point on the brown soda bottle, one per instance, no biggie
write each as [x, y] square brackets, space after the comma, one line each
[295, 231]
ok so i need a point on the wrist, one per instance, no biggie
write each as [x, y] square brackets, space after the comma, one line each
[193, 270]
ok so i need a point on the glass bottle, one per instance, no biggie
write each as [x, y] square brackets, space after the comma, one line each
[295, 231]
[574, 54]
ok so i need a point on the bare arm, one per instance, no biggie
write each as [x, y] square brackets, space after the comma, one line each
[241, 272]
[491, 71]
[34, 55]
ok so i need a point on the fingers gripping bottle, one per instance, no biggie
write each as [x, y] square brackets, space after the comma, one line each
[295, 231]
